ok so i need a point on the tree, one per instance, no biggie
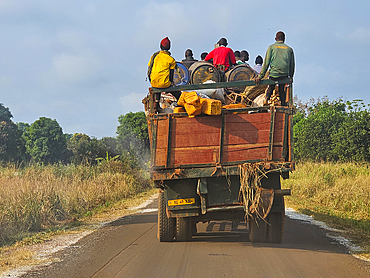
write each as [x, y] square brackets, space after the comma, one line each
[133, 135]
[352, 139]
[313, 134]
[85, 149]
[45, 141]
[5, 115]
[11, 147]
[109, 144]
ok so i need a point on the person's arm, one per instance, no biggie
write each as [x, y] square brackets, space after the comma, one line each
[292, 64]
[171, 75]
[266, 63]
[265, 66]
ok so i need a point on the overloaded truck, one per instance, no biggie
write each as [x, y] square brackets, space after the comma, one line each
[221, 167]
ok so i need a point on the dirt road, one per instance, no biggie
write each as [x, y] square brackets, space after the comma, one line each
[129, 247]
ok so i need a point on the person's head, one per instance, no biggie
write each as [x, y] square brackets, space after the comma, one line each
[203, 55]
[165, 44]
[237, 54]
[222, 41]
[244, 55]
[259, 60]
[280, 36]
[188, 53]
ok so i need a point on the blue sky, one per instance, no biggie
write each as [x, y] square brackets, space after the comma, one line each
[84, 63]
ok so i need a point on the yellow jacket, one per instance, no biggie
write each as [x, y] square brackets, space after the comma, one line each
[160, 74]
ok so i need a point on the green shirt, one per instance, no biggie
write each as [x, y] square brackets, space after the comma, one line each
[280, 58]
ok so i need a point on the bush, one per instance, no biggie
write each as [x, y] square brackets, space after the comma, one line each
[332, 130]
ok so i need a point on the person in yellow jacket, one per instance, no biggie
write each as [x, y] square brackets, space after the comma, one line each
[161, 68]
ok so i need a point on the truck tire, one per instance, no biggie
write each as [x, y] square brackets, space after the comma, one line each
[184, 228]
[166, 225]
[257, 230]
[276, 227]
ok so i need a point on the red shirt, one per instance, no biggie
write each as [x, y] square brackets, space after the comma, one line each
[222, 56]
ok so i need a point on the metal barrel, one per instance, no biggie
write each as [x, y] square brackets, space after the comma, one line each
[181, 76]
[239, 73]
[203, 71]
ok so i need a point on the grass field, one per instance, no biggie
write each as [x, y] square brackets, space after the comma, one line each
[42, 198]
[336, 193]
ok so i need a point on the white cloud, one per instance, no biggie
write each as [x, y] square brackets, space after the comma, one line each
[72, 39]
[72, 68]
[360, 35]
[132, 102]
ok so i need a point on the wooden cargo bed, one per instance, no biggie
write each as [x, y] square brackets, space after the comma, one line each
[234, 137]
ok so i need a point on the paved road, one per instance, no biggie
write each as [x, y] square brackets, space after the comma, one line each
[129, 247]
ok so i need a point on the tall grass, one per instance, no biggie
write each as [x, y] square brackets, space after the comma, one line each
[338, 190]
[36, 198]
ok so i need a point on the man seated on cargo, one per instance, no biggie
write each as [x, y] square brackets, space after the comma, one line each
[203, 55]
[244, 56]
[280, 58]
[223, 57]
[161, 70]
[237, 57]
[189, 59]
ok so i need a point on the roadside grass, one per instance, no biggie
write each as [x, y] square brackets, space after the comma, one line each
[49, 199]
[337, 194]
[25, 252]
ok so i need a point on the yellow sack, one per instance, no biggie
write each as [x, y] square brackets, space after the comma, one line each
[193, 109]
[211, 106]
[179, 110]
[189, 98]
[232, 106]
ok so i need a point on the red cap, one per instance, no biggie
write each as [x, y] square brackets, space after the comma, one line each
[165, 43]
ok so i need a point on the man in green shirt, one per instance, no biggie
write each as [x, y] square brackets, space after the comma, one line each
[280, 58]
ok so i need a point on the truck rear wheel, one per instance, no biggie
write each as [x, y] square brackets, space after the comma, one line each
[184, 227]
[276, 227]
[257, 230]
[166, 225]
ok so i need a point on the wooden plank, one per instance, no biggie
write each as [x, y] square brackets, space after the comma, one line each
[222, 137]
[169, 139]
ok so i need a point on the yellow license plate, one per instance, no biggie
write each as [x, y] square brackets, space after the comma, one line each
[180, 202]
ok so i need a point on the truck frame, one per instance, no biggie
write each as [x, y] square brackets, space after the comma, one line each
[224, 167]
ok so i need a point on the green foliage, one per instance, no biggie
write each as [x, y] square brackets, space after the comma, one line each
[11, 145]
[45, 141]
[85, 149]
[109, 144]
[332, 130]
[5, 114]
[133, 135]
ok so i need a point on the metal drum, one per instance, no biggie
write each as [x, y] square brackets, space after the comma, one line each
[239, 73]
[202, 71]
[181, 76]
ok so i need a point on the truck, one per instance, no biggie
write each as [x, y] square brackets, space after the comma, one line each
[221, 167]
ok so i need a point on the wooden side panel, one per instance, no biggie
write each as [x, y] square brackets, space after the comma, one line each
[197, 140]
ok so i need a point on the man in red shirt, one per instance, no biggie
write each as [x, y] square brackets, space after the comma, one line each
[223, 57]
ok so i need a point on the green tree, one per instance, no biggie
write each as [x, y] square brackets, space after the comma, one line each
[85, 149]
[352, 139]
[313, 134]
[133, 135]
[109, 144]
[11, 145]
[5, 114]
[45, 141]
